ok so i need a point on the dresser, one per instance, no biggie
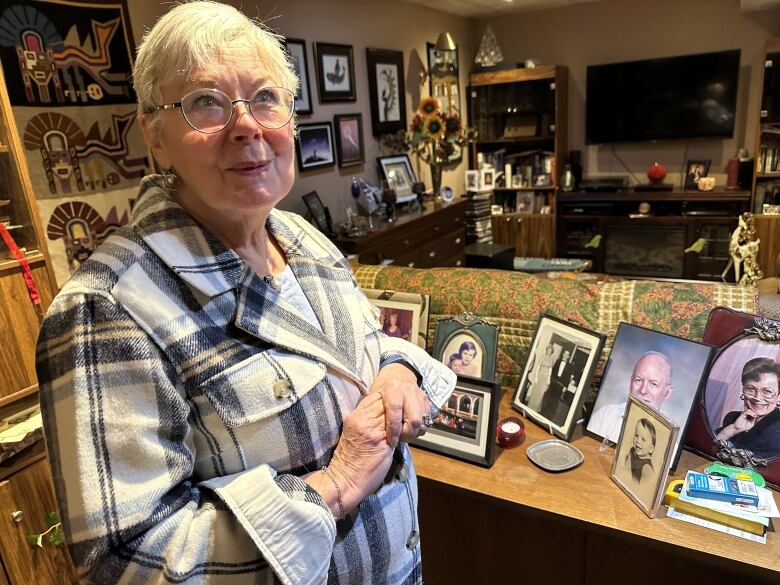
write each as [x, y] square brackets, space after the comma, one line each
[435, 237]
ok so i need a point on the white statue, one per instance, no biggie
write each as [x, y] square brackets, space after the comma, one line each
[743, 249]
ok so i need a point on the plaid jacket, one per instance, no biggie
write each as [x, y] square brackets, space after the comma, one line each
[183, 400]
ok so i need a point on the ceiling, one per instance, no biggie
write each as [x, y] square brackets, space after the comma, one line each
[484, 8]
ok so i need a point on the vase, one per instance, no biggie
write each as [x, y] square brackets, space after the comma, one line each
[436, 179]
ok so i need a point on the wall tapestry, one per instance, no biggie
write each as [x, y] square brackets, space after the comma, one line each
[67, 65]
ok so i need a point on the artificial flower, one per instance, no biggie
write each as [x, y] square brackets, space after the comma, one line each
[428, 106]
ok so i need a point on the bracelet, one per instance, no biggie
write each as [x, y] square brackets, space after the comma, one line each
[339, 501]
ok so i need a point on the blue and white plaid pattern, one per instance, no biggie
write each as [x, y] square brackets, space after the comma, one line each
[174, 458]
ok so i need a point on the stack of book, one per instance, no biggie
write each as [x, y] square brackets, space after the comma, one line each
[479, 226]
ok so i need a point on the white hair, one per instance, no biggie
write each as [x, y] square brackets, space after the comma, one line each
[191, 37]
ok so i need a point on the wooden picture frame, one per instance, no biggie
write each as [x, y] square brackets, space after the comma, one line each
[386, 90]
[296, 49]
[467, 345]
[465, 427]
[335, 72]
[349, 139]
[314, 146]
[411, 309]
[694, 170]
[644, 455]
[557, 374]
[397, 171]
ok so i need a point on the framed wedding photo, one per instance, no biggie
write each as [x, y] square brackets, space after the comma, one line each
[694, 170]
[557, 374]
[335, 72]
[402, 314]
[386, 90]
[296, 49]
[397, 171]
[465, 427]
[349, 139]
[314, 146]
[644, 454]
[467, 345]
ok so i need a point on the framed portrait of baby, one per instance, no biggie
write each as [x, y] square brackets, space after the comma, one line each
[644, 454]
[558, 371]
[737, 418]
[402, 314]
[467, 345]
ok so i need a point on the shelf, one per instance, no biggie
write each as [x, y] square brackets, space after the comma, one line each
[713, 196]
[516, 140]
[513, 75]
[767, 175]
[4, 148]
[17, 396]
[34, 257]
[511, 189]
[4, 202]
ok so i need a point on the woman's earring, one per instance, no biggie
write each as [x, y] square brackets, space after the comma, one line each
[170, 179]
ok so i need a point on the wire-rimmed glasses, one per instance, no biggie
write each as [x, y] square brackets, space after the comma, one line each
[767, 394]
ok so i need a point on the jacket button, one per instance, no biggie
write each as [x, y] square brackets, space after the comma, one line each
[403, 473]
[413, 540]
[282, 389]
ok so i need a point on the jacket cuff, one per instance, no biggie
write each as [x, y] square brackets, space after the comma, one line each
[438, 381]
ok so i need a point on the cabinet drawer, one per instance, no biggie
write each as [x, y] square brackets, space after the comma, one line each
[442, 248]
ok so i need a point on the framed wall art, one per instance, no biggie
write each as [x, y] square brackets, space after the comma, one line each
[349, 139]
[467, 345]
[386, 89]
[397, 171]
[558, 371]
[402, 314]
[664, 371]
[443, 77]
[644, 455]
[737, 418]
[465, 427]
[314, 146]
[335, 72]
[296, 49]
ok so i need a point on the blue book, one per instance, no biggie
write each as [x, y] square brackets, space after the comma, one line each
[718, 487]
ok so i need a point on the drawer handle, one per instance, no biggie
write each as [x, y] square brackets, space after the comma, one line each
[458, 263]
[18, 516]
[406, 243]
[519, 220]
[457, 240]
[432, 254]
[411, 265]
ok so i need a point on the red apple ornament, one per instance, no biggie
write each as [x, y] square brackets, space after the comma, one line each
[656, 173]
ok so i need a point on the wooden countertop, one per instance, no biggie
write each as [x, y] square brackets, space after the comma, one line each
[587, 496]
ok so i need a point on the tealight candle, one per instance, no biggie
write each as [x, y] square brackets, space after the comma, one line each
[509, 432]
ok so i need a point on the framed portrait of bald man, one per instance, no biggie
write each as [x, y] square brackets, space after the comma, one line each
[665, 372]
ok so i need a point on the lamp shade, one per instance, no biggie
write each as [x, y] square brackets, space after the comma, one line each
[445, 42]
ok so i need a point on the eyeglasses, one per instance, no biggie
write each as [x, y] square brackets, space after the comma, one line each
[766, 393]
[209, 110]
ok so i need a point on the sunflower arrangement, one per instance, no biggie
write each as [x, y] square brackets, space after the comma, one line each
[437, 137]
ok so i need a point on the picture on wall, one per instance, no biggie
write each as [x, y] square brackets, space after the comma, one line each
[402, 314]
[467, 345]
[335, 72]
[386, 90]
[349, 139]
[443, 77]
[315, 146]
[296, 49]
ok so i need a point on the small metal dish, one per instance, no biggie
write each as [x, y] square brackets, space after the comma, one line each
[554, 455]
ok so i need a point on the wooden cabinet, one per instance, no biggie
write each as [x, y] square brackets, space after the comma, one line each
[766, 181]
[435, 237]
[532, 235]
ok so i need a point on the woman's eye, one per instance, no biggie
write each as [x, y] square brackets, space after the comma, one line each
[265, 97]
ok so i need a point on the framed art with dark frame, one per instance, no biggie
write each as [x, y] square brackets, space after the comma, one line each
[320, 216]
[402, 314]
[644, 455]
[349, 139]
[386, 90]
[694, 170]
[465, 427]
[296, 49]
[397, 171]
[467, 345]
[558, 371]
[663, 370]
[335, 72]
[443, 77]
[737, 418]
[315, 146]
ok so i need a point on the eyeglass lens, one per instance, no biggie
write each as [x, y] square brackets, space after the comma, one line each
[210, 110]
[765, 393]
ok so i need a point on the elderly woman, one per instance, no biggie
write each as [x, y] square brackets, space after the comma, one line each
[756, 427]
[220, 403]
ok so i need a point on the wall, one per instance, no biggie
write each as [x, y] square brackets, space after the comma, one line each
[385, 24]
[620, 30]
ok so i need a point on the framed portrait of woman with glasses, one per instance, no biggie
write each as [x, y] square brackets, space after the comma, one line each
[737, 419]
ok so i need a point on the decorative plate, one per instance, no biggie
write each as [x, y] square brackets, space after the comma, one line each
[554, 455]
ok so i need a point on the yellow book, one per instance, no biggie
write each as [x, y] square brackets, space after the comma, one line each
[672, 499]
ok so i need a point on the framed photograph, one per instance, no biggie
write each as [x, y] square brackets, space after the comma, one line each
[694, 170]
[319, 214]
[467, 345]
[664, 371]
[644, 455]
[386, 90]
[335, 72]
[296, 49]
[525, 202]
[397, 171]
[465, 427]
[349, 139]
[487, 178]
[559, 369]
[402, 314]
[443, 77]
[314, 146]
[736, 420]
[472, 181]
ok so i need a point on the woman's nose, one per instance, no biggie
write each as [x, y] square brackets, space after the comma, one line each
[245, 124]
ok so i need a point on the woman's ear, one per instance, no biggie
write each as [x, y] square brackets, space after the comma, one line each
[152, 138]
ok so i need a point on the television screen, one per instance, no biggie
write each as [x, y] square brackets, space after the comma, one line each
[691, 96]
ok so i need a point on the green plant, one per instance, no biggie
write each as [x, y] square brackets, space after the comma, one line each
[56, 535]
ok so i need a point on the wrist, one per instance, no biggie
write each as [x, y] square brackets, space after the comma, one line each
[402, 362]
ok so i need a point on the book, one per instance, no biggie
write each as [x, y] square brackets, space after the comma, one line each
[718, 487]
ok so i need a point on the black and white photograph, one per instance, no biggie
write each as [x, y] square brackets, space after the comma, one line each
[695, 170]
[397, 172]
[472, 181]
[315, 146]
[465, 427]
[467, 345]
[560, 365]
[644, 454]
[386, 89]
[443, 77]
[402, 314]
[296, 48]
[663, 371]
[335, 72]
[349, 139]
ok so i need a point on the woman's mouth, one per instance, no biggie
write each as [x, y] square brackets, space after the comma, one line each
[250, 168]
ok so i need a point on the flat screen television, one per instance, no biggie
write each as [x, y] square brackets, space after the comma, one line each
[690, 96]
